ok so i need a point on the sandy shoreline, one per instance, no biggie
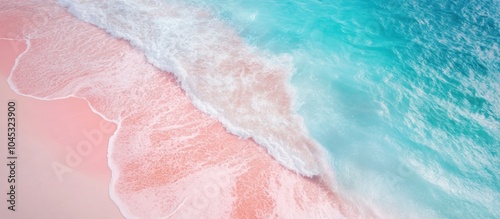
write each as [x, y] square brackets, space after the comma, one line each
[167, 157]
[46, 128]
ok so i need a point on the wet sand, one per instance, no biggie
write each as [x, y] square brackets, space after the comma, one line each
[168, 159]
[44, 131]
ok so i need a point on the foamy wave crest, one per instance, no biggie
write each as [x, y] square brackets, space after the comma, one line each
[245, 89]
[167, 158]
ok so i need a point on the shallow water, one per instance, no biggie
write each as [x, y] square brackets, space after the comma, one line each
[405, 95]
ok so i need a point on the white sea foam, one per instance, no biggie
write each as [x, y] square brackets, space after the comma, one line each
[244, 89]
[164, 151]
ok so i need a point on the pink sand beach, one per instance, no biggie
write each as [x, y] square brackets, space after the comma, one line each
[45, 130]
[136, 132]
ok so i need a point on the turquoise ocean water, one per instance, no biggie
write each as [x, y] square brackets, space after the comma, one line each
[404, 94]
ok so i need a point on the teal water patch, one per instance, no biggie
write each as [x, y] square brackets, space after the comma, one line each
[404, 94]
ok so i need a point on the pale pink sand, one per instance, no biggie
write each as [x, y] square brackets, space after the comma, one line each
[45, 129]
[246, 89]
[168, 159]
